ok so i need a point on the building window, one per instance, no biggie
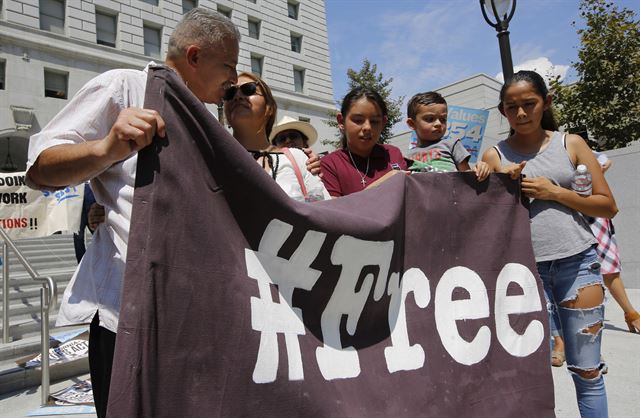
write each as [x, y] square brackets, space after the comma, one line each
[52, 15]
[2, 69]
[292, 9]
[188, 5]
[224, 11]
[296, 42]
[256, 64]
[298, 80]
[55, 84]
[254, 28]
[152, 43]
[106, 29]
[151, 2]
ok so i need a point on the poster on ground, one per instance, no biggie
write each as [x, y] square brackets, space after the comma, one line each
[64, 352]
[80, 393]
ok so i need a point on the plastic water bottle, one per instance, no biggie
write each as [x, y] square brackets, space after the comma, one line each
[581, 182]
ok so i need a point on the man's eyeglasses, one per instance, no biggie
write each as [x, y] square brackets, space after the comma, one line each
[248, 89]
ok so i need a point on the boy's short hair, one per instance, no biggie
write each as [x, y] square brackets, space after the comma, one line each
[430, 97]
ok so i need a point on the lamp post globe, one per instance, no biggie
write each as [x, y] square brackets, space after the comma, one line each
[498, 14]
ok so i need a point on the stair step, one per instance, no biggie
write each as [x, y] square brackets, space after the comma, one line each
[32, 292]
[62, 248]
[39, 259]
[24, 279]
[27, 326]
[17, 378]
[20, 279]
[26, 307]
[43, 259]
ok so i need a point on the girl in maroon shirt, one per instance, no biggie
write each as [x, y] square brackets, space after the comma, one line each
[362, 162]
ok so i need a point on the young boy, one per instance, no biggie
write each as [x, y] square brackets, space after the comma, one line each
[427, 116]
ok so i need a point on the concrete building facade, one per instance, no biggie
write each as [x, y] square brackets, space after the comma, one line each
[50, 48]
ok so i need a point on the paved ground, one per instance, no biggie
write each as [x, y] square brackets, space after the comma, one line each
[21, 403]
[621, 349]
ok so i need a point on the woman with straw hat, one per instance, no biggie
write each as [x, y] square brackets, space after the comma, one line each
[293, 133]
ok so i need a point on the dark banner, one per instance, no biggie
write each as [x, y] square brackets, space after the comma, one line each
[417, 298]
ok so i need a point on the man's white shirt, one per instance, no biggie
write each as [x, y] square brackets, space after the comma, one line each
[97, 282]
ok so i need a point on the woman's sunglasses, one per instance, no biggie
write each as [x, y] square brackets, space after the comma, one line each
[248, 89]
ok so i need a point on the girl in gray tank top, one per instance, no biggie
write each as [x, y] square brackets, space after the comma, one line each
[562, 241]
[570, 234]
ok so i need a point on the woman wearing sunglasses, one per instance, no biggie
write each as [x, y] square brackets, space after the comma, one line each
[250, 109]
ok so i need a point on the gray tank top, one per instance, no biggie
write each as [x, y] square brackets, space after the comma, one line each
[556, 230]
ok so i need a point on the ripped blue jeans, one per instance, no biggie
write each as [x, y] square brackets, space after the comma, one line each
[562, 280]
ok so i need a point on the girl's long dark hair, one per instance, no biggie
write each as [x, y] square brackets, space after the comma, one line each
[353, 96]
[537, 82]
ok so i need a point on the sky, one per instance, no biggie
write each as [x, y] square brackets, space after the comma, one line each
[428, 44]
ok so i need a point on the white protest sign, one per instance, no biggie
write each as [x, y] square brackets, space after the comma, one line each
[28, 213]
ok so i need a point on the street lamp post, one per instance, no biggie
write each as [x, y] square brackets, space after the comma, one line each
[502, 11]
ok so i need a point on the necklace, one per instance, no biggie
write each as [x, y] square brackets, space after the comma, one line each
[362, 178]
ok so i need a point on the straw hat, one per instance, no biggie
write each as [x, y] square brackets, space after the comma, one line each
[289, 123]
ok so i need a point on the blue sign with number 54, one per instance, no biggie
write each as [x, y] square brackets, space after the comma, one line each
[467, 125]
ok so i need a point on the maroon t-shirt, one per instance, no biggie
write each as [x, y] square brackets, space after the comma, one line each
[341, 178]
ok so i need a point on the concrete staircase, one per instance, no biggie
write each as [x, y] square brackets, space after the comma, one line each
[50, 256]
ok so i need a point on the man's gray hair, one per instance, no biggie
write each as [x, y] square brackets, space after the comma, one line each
[202, 27]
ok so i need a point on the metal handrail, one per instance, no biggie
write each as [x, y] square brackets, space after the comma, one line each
[48, 301]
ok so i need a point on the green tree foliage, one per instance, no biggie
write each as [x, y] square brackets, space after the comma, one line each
[605, 101]
[369, 77]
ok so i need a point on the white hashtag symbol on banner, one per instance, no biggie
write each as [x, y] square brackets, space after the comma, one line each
[273, 317]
